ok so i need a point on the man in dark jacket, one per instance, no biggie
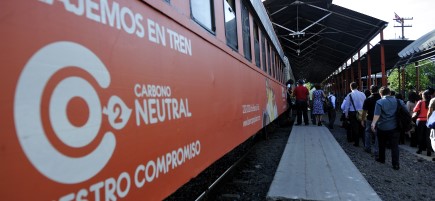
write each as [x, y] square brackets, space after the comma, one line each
[368, 110]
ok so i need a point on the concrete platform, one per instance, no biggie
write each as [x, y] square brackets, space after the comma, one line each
[315, 167]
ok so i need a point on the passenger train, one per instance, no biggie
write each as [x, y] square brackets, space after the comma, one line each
[130, 99]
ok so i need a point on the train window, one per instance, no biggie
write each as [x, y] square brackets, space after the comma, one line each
[263, 52]
[256, 45]
[246, 29]
[202, 12]
[230, 23]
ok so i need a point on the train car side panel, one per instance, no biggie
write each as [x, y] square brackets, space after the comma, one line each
[115, 100]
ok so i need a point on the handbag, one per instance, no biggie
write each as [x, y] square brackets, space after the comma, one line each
[403, 118]
[327, 104]
[432, 138]
[430, 123]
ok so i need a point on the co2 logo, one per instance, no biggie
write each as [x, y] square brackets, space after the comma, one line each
[31, 131]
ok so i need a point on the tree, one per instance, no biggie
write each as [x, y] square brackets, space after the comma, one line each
[427, 74]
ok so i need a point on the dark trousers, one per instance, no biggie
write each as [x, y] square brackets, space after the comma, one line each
[356, 129]
[301, 107]
[423, 136]
[331, 117]
[312, 116]
[393, 137]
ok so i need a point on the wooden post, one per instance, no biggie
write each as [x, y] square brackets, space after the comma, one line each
[369, 67]
[403, 80]
[384, 76]
[359, 71]
[417, 77]
[352, 77]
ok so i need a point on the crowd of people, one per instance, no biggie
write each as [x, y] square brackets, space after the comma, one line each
[369, 117]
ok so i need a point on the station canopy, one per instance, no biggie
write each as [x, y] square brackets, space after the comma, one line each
[318, 37]
[420, 49]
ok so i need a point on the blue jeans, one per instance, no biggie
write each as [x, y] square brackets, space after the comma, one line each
[368, 133]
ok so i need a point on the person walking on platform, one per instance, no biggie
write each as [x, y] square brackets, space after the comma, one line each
[289, 98]
[331, 113]
[318, 110]
[354, 102]
[311, 105]
[410, 104]
[368, 111]
[429, 113]
[385, 124]
[301, 93]
[421, 108]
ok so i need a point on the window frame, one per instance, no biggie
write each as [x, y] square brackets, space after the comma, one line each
[212, 29]
[236, 37]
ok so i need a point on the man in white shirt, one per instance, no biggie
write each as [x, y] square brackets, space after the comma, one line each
[354, 102]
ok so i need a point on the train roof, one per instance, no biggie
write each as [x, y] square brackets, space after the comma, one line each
[267, 25]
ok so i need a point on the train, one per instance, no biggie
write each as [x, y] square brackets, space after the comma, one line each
[130, 99]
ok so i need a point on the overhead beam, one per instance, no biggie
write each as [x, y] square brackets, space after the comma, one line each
[341, 43]
[342, 15]
[279, 10]
[282, 27]
[350, 34]
[312, 36]
[314, 23]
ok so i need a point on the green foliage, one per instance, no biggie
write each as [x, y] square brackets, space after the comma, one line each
[427, 72]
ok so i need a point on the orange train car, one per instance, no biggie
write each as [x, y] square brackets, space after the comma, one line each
[129, 99]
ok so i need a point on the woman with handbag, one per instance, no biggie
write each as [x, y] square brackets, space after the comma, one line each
[420, 112]
[318, 100]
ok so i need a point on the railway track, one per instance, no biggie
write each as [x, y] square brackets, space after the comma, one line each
[243, 174]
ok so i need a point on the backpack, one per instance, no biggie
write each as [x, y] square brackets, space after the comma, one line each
[404, 120]
[327, 106]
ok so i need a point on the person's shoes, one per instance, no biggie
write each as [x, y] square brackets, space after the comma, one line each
[298, 124]
[367, 150]
[319, 124]
[429, 153]
[356, 145]
[379, 160]
[418, 151]
[396, 167]
[306, 124]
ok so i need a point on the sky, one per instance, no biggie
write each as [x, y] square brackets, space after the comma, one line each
[421, 11]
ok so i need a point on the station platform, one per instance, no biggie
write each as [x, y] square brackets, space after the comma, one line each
[315, 167]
